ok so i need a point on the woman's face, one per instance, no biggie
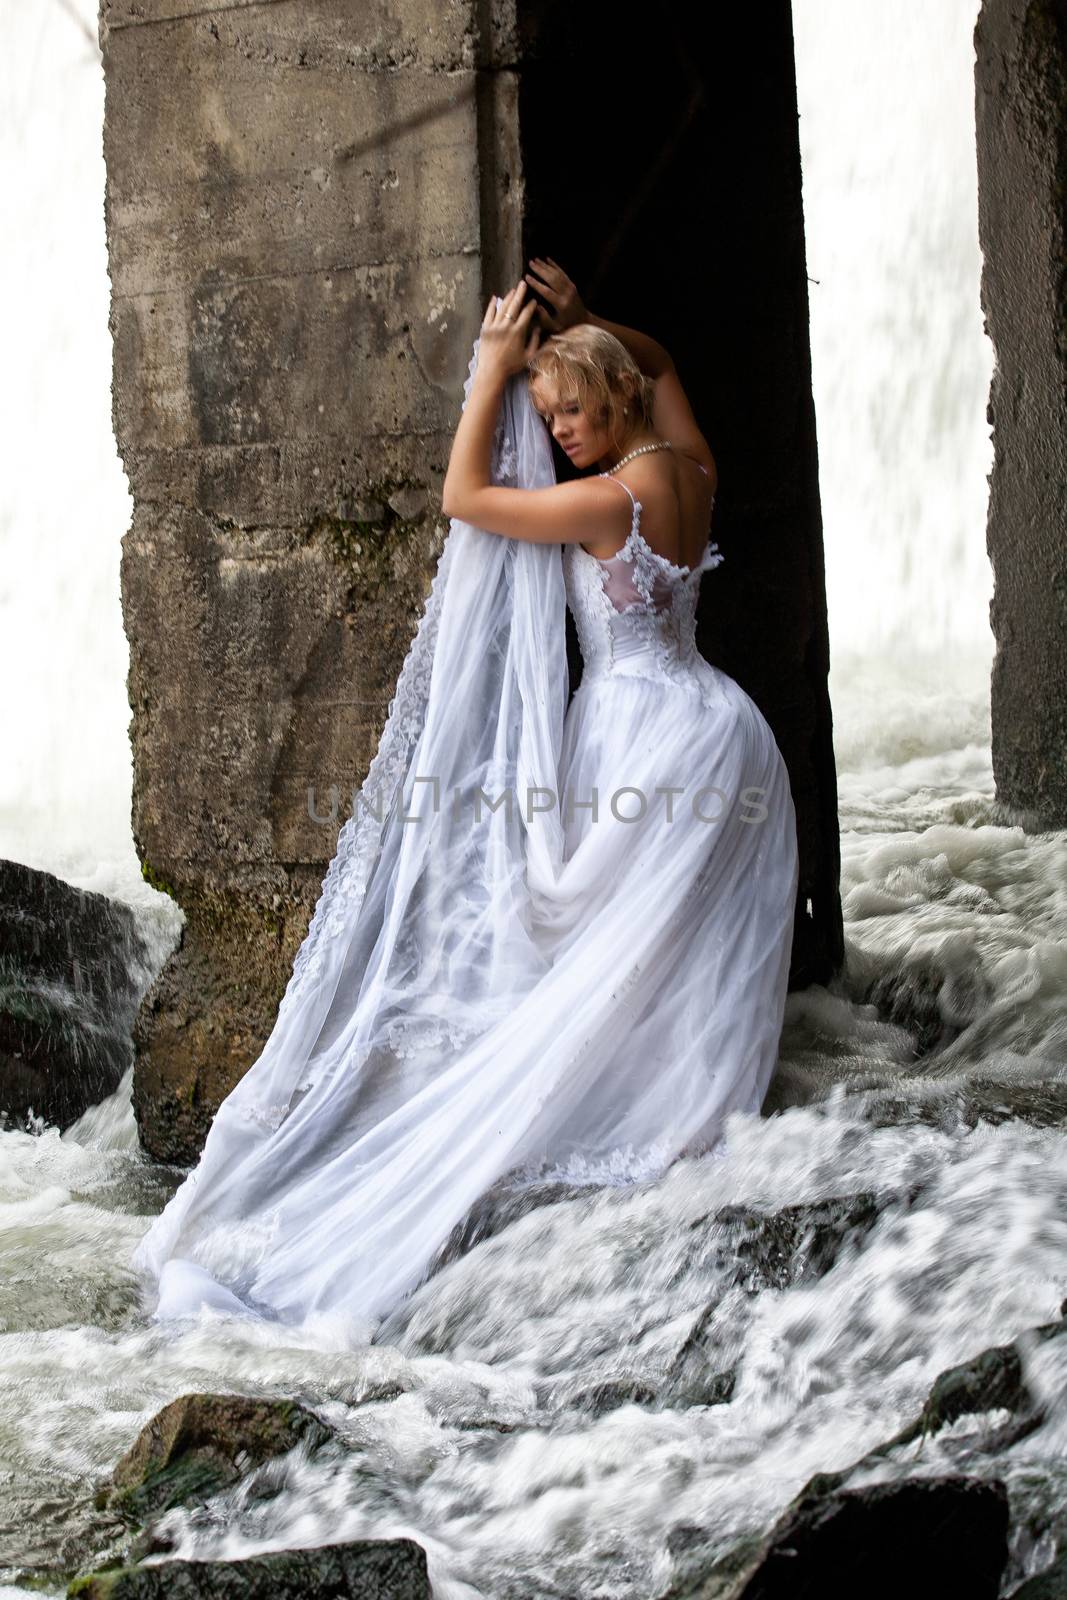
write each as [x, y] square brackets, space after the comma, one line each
[573, 430]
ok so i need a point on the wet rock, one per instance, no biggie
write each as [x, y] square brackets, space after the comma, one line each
[368, 1569]
[73, 968]
[962, 1100]
[1048, 1585]
[610, 1395]
[993, 1381]
[384, 1390]
[200, 1444]
[753, 1251]
[497, 1209]
[485, 1424]
[1042, 1103]
[933, 1003]
[694, 1379]
[774, 1250]
[924, 1538]
[915, 1537]
[990, 1381]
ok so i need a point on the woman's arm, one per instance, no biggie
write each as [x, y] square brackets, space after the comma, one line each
[672, 415]
[650, 356]
[582, 511]
[468, 464]
[566, 513]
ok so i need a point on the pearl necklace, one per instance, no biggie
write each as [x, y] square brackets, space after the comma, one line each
[641, 450]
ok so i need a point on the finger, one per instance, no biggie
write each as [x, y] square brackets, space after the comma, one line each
[511, 300]
[545, 289]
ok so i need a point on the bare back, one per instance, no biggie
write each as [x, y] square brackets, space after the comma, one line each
[677, 496]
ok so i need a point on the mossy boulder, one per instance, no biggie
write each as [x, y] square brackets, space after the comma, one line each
[368, 1569]
[202, 1443]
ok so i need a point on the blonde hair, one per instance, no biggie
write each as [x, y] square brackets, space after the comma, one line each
[602, 371]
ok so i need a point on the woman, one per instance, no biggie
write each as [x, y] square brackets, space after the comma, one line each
[553, 940]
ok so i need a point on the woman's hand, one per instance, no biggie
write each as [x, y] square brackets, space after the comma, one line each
[506, 343]
[550, 280]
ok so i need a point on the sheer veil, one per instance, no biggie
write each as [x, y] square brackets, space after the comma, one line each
[422, 938]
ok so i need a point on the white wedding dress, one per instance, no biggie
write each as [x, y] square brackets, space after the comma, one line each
[526, 988]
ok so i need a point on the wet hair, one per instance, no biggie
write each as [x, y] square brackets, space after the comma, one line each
[603, 374]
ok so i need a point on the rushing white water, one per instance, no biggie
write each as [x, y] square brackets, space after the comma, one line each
[471, 1425]
[476, 1440]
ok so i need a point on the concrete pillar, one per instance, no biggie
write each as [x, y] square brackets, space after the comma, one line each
[295, 205]
[1021, 115]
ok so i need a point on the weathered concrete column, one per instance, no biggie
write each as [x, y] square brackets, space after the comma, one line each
[295, 207]
[1021, 112]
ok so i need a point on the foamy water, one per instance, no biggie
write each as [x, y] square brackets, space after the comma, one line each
[482, 1443]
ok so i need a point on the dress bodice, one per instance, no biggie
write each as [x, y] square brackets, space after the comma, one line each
[635, 611]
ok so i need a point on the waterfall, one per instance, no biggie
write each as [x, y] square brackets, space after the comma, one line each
[65, 785]
[901, 364]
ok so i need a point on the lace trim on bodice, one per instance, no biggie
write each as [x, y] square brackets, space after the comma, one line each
[635, 611]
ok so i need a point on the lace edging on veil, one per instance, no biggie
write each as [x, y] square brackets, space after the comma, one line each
[471, 562]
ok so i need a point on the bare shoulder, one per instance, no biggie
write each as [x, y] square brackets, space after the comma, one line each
[648, 474]
[673, 419]
[598, 496]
